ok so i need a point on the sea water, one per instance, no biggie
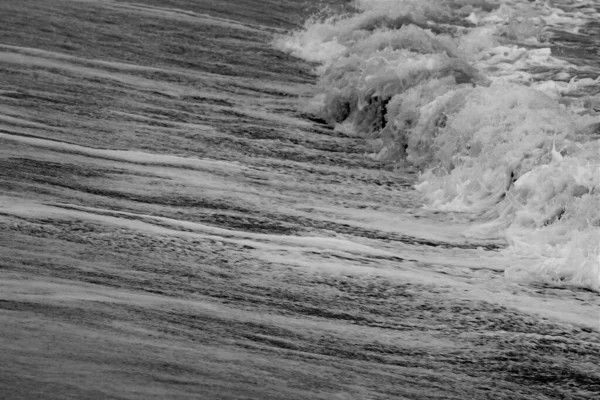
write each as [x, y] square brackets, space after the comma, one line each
[495, 103]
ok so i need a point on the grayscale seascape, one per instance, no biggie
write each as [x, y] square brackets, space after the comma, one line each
[290, 199]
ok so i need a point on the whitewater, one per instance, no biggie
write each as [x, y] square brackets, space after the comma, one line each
[496, 105]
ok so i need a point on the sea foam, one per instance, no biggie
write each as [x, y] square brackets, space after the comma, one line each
[470, 93]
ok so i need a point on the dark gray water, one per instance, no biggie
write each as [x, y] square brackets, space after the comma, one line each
[179, 220]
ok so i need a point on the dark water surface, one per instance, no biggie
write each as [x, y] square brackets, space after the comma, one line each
[174, 224]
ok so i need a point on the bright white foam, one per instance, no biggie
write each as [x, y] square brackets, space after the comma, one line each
[478, 112]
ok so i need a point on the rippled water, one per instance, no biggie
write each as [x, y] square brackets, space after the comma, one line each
[496, 104]
[173, 226]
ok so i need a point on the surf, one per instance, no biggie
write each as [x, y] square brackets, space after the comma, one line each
[472, 95]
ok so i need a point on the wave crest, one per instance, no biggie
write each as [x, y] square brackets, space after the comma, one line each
[466, 92]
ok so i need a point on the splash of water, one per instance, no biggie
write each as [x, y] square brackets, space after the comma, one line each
[470, 93]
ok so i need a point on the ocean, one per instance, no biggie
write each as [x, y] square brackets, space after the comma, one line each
[291, 199]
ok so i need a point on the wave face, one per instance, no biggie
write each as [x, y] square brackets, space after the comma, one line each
[470, 94]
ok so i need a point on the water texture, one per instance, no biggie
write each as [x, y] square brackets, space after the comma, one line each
[206, 199]
[496, 104]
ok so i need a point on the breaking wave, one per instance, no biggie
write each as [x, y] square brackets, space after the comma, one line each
[470, 93]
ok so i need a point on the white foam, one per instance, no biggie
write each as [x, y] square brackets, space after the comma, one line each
[478, 113]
